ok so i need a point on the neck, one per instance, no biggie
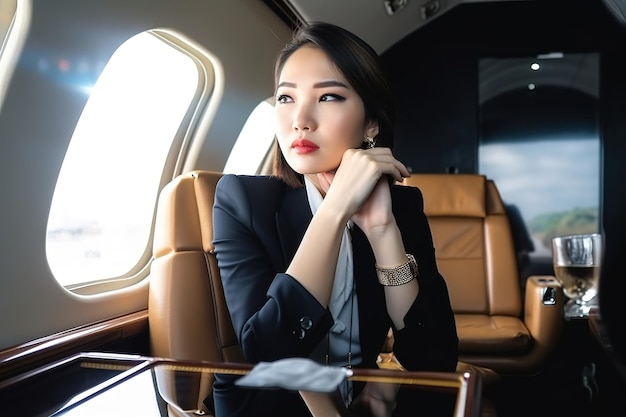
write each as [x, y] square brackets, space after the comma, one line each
[313, 178]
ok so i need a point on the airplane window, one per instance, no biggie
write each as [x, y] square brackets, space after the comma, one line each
[100, 220]
[14, 23]
[7, 13]
[540, 142]
[254, 141]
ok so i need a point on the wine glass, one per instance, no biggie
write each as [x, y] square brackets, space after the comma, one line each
[576, 260]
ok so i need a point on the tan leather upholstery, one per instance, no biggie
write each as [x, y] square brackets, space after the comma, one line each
[497, 327]
[186, 307]
[187, 311]
[184, 273]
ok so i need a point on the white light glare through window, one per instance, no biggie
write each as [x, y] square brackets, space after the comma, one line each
[103, 204]
[254, 141]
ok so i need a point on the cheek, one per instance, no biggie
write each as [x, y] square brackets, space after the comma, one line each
[347, 129]
[281, 127]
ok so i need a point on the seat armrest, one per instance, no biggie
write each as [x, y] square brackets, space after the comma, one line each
[543, 311]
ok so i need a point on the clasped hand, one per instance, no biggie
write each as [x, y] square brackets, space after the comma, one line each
[359, 187]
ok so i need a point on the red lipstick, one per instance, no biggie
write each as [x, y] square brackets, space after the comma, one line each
[303, 146]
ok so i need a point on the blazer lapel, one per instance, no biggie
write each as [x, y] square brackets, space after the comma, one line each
[292, 219]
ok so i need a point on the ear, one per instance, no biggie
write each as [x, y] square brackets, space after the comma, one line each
[371, 129]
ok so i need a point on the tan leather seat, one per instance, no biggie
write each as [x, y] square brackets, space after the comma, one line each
[187, 311]
[497, 327]
[186, 307]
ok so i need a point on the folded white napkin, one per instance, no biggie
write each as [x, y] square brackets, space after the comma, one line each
[297, 374]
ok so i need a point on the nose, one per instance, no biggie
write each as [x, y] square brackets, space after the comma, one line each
[303, 119]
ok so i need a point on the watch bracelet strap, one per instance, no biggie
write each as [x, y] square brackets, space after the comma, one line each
[398, 275]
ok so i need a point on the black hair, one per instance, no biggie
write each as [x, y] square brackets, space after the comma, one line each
[361, 66]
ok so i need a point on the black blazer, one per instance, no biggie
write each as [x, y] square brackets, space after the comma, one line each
[259, 222]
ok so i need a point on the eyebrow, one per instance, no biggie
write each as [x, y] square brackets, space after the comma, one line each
[322, 84]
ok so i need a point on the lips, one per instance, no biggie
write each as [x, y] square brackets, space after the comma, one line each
[303, 146]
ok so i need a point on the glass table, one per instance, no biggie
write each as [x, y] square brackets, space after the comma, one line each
[94, 384]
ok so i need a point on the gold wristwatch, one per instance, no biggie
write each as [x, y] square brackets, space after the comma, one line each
[399, 275]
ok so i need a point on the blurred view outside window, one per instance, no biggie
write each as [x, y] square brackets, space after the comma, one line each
[554, 185]
[101, 216]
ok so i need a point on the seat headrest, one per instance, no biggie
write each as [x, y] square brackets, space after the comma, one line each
[184, 220]
[451, 194]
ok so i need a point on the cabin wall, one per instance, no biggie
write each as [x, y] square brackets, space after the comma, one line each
[437, 125]
[438, 119]
[41, 110]
[438, 116]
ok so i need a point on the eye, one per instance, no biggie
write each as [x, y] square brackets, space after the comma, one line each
[331, 97]
[282, 98]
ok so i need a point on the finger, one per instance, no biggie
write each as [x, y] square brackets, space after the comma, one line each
[397, 170]
[386, 155]
[325, 179]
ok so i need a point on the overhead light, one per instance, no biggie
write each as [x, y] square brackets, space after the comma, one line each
[430, 9]
[394, 6]
[551, 55]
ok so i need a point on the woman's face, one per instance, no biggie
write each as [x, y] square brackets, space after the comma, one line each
[318, 114]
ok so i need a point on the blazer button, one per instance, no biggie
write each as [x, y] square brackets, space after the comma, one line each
[306, 323]
[300, 333]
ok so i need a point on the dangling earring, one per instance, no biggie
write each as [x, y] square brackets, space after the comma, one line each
[370, 142]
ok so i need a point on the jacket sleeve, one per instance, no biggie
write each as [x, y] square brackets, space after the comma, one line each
[429, 341]
[274, 316]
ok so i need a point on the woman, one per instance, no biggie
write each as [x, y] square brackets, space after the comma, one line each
[320, 259]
